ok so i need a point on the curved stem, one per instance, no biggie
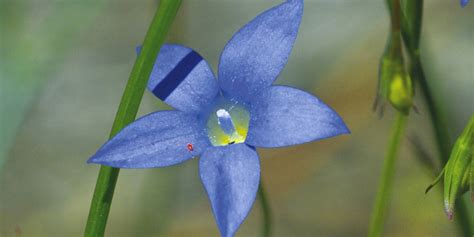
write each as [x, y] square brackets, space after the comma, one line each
[267, 214]
[443, 139]
[383, 194]
[127, 111]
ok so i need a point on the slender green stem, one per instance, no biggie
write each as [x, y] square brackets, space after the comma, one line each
[267, 214]
[127, 111]
[379, 211]
[394, 49]
[438, 122]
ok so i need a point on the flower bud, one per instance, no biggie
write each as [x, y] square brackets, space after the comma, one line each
[457, 175]
[395, 85]
[457, 172]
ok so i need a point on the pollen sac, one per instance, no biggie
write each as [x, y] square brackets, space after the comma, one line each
[227, 122]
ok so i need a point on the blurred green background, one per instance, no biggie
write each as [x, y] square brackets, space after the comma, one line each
[63, 68]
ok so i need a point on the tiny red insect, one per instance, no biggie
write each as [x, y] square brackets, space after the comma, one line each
[190, 147]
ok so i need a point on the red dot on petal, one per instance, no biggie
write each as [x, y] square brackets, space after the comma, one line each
[190, 147]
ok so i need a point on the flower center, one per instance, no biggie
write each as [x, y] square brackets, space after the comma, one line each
[225, 121]
[228, 123]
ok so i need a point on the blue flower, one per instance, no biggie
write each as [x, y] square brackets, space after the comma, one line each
[464, 3]
[222, 121]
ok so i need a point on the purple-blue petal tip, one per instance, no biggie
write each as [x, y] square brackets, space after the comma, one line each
[91, 160]
[230, 175]
[343, 128]
[258, 52]
[98, 159]
[464, 3]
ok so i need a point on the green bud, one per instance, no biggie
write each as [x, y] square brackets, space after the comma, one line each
[395, 84]
[458, 170]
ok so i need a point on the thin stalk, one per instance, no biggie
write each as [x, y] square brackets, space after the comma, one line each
[127, 111]
[379, 211]
[438, 121]
[382, 199]
[395, 21]
[395, 45]
[267, 214]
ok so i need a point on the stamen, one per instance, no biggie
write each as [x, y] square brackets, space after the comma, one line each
[225, 121]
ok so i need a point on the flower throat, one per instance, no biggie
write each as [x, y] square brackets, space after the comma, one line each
[227, 123]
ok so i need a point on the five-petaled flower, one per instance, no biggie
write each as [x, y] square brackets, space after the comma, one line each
[464, 3]
[224, 120]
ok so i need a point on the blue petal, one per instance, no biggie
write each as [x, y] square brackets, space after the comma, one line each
[231, 175]
[159, 139]
[256, 54]
[284, 116]
[464, 3]
[182, 79]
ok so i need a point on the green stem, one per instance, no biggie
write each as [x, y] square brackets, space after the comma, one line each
[443, 139]
[127, 111]
[383, 194]
[267, 215]
[394, 51]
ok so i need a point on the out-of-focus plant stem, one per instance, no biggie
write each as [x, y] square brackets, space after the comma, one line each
[411, 31]
[382, 199]
[267, 214]
[127, 111]
[379, 211]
